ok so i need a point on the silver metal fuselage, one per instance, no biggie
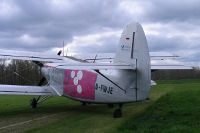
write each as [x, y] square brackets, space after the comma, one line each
[105, 86]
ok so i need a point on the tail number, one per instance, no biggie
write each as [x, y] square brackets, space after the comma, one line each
[104, 88]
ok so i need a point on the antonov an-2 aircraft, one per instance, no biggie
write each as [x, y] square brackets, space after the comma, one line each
[127, 79]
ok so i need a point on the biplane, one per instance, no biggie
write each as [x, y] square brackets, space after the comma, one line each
[126, 79]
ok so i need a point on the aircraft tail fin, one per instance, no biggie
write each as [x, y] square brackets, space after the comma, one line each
[133, 46]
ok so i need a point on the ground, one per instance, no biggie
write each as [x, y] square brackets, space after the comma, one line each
[173, 107]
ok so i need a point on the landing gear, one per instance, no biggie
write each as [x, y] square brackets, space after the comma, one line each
[33, 103]
[110, 105]
[84, 103]
[118, 112]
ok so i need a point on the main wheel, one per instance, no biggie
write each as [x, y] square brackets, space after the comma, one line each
[117, 113]
[33, 103]
[110, 105]
[84, 103]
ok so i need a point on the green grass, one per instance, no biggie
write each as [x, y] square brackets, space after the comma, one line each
[176, 111]
[174, 106]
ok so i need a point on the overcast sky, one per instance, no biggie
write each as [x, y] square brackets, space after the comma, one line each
[95, 25]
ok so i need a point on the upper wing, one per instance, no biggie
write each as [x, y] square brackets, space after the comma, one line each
[162, 55]
[33, 56]
[27, 90]
[59, 62]
[46, 57]
[109, 57]
[164, 60]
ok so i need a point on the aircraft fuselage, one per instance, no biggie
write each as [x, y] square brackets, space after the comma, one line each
[88, 85]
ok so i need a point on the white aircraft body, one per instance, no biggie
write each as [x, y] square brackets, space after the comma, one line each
[126, 79]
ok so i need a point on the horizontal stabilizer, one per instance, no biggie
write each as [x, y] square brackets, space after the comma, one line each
[92, 66]
[26, 90]
[169, 67]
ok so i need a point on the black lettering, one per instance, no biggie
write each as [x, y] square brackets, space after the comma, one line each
[108, 91]
[111, 90]
[96, 86]
[104, 88]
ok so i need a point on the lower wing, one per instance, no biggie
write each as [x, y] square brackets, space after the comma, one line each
[27, 90]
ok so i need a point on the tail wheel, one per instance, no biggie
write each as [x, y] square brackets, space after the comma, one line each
[118, 112]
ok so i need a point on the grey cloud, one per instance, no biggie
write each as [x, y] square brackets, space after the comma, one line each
[109, 45]
[195, 57]
[170, 10]
[41, 19]
[52, 24]
[161, 43]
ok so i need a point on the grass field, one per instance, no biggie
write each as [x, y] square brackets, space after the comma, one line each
[174, 106]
